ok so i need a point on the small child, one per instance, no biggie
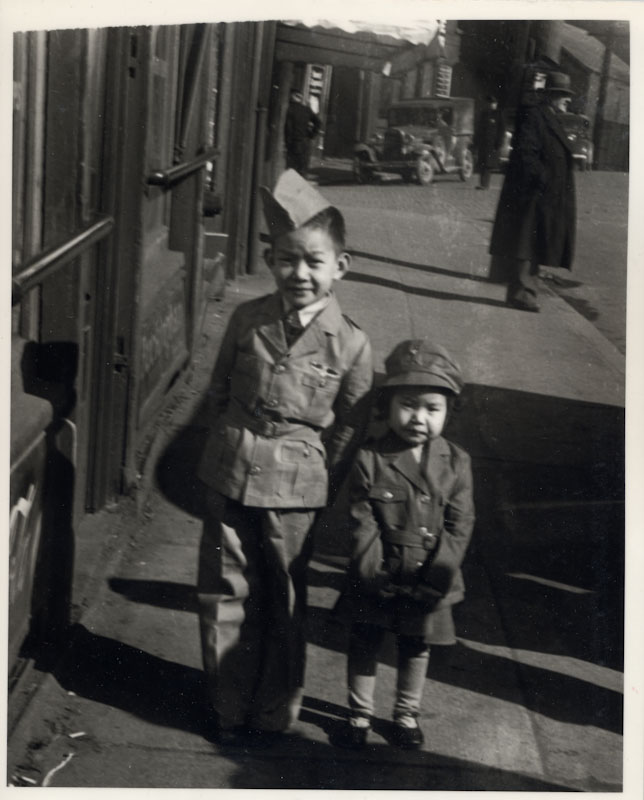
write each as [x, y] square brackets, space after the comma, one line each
[412, 514]
[292, 370]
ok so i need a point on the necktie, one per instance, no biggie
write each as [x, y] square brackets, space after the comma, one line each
[292, 327]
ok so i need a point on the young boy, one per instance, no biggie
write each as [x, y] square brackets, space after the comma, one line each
[292, 371]
[410, 495]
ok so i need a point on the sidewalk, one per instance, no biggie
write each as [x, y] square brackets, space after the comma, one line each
[530, 698]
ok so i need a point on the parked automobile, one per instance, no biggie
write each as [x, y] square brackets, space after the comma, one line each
[423, 138]
[578, 132]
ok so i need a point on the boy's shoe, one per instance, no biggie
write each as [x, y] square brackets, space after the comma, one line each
[407, 738]
[352, 736]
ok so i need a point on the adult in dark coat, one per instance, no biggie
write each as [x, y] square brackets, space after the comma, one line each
[536, 215]
[488, 139]
[301, 126]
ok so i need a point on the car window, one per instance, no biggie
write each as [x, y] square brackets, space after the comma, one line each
[427, 117]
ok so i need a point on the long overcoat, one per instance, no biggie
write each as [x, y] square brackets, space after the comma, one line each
[536, 214]
[411, 526]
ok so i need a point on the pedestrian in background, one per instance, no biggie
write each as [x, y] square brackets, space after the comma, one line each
[489, 134]
[291, 366]
[302, 125]
[412, 513]
[536, 215]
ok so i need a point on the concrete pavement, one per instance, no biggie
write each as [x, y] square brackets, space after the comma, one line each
[530, 698]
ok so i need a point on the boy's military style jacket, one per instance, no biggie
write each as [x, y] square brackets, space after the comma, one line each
[411, 526]
[282, 416]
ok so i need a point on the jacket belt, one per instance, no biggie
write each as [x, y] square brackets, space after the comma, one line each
[264, 426]
[417, 538]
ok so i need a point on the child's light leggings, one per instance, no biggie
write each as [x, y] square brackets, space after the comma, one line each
[413, 659]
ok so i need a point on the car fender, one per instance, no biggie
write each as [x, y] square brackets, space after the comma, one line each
[365, 152]
[425, 152]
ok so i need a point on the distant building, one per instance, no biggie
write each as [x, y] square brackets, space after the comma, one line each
[583, 58]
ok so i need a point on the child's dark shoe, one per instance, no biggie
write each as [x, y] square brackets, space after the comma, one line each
[352, 736]
[408, 738]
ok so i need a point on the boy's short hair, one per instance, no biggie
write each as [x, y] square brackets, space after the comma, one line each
[330, 220]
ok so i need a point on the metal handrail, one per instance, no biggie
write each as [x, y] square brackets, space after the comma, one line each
[50, 261]
[168, 177]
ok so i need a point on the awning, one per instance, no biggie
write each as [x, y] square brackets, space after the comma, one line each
[364, 45]
[414, 33]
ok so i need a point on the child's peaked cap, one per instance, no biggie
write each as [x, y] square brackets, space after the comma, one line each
[417, 362]
[291, 204]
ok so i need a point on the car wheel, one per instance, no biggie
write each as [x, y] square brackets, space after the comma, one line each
[424, 171]
[467, 167]
[361, 172]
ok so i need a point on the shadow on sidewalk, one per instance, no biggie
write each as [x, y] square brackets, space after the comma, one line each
[107, 671]
[176, 470]
[450, 273]
[172, 695]
[361, 277]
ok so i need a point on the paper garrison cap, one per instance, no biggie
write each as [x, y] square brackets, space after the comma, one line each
[417, 362]
[291, 204]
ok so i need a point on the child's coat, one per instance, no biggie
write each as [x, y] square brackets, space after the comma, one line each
[411, 526]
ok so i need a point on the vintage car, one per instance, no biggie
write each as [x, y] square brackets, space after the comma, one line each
[423, 138]
[578, 132]
[577, 127]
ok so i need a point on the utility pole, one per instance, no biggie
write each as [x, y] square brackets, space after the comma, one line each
[598, 133]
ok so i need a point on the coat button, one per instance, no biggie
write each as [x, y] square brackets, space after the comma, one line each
[423, 530]
[255, 470]
[387, 495]
[279, 368]
[425, 499]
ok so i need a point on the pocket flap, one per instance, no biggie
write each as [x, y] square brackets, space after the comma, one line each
[387, 494]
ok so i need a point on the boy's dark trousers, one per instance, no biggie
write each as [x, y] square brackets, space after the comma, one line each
[252, 608]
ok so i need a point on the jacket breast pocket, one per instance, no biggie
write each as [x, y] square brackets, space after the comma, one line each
[389, 505]
[319, 390]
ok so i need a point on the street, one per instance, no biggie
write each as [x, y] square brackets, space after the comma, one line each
[531, 698]
[596, 287]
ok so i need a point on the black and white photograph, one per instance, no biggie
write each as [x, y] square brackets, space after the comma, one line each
[322, 459]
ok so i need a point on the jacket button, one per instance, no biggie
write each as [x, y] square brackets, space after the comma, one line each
[423, 530]
[387, 495]
[279, 368]
[272, 403]
[425, 499]
[255, 470]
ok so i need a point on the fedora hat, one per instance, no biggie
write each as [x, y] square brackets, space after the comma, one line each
[558, 83]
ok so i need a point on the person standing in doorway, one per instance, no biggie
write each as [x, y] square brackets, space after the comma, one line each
[536, 215]
[301, 127]
[489, 137]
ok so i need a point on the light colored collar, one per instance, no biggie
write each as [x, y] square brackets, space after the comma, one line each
[306, 314]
